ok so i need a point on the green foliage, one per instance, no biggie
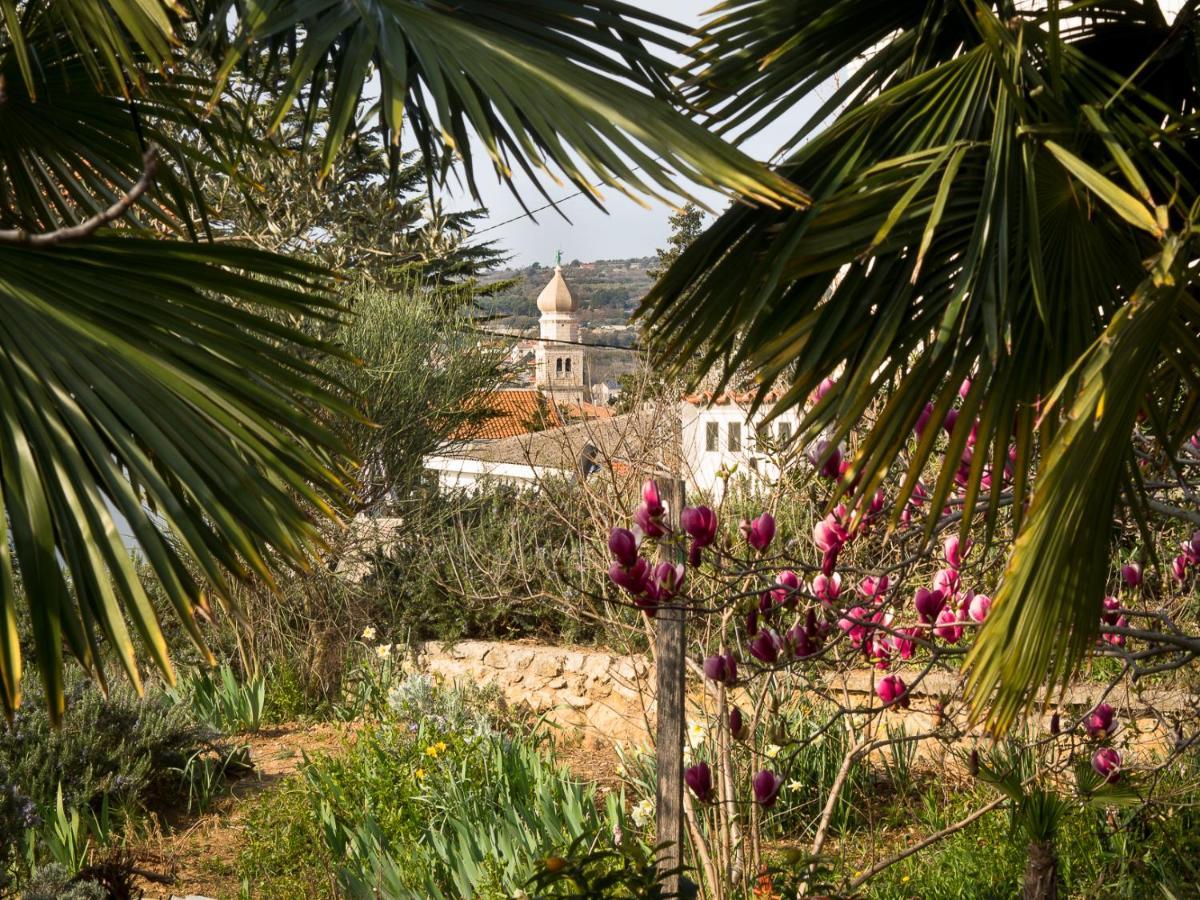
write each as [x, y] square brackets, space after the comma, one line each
[54, 882]
[217, 699]
[433, 799]
[283, 853]
[121, 748]
[993, 189]
[67, 835]
[205, 774]
[416, 364]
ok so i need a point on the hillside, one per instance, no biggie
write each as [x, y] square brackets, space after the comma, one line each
[607, 291]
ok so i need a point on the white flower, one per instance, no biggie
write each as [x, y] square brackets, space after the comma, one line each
[772, 751]
[383, 651]
[368, 634]
[696, 733]
[642, 813]
[795, 785]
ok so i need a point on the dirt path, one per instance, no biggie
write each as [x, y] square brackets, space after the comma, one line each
[201, 851]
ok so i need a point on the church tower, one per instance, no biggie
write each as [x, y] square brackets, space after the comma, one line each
[559, 355]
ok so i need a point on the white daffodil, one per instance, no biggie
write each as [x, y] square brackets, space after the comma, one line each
[795, 785]
[642, 813]
[772, 750]
[369, 633]
[383, 651]
[696, 733]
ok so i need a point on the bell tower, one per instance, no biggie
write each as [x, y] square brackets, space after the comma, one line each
[560, 357]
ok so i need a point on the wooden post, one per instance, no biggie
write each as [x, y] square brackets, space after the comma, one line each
[670, 652]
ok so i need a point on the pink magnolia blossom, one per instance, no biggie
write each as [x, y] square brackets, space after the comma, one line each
[923, 419]
[650, 524]
[721, 668]
[1179, 567]
[700, 523]
[699, 780]
[853, 625]
[1117, 640]
[752, 622]
[666, 580]
[1099, 721]
[826, 457]
[903, 642]
[824, 388]
[946, 581]
[892, 689]
[766, 646]
[928, 603]
[624, 546]
[737, 727]
[955, 551]
[766, 786]
[1131, 574]
[948, 627]
[950, 421]
[759, 532]
[802, 641]
[632, 578]
[871, 588]
[827, 588]
[829, 534]
[1107, 763]
[1110, 612]
[979, 607]
[651, 497]
[788, 592]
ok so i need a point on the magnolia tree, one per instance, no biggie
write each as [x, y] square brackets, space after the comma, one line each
[857, 631]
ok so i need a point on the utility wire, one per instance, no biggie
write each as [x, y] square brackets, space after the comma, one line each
[635, 348]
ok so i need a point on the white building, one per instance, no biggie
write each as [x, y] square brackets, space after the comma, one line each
[723, 445]
[559, 354]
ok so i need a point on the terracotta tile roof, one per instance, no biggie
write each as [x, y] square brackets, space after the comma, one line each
[576, 411]
[624, 443]
[508, 413]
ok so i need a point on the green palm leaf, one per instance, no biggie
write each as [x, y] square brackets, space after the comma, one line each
[542, 86]
[152, 381]
[981, 186]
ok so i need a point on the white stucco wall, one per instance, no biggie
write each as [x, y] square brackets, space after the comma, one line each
[755, 466]
[457, 473]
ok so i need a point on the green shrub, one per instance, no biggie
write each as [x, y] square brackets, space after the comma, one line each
[433, 799]
[221, 700]
[122, 748]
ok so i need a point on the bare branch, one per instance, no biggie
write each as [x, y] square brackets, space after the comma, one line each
[89, 226]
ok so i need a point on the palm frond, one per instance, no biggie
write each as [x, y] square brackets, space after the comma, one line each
[966, 223]
[576, 88]
[152, 381]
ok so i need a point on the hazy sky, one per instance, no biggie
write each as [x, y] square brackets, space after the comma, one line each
[623, 228]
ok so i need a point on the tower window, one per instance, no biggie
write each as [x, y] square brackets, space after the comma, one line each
[568, 365]
[558, 365]
[735, 437]
[712, 436]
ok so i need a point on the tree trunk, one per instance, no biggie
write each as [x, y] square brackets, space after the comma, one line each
[1041, 872]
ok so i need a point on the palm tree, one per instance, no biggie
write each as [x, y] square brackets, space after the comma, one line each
[151, 375]
[1002, 192]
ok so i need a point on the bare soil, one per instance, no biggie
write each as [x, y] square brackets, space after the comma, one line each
[200, 851]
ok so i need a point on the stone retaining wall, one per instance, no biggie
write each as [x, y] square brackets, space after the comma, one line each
[598, 696]
[601, 697]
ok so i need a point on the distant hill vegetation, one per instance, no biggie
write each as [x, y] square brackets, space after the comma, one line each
[607, 290]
